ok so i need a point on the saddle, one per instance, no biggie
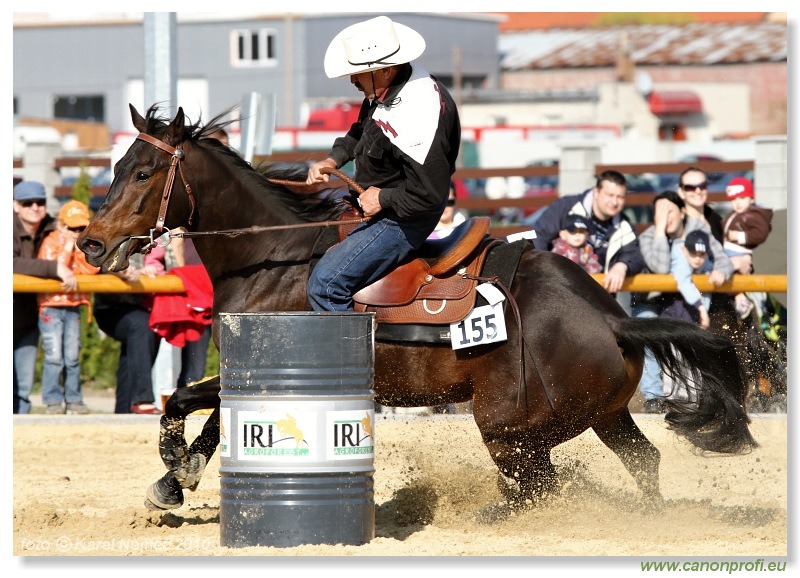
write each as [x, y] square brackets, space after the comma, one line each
[435, 285]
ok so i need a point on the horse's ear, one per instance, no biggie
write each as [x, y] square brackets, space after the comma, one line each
[175, 129]
[138, 121]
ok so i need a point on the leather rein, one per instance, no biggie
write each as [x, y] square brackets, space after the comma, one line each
[175, 165]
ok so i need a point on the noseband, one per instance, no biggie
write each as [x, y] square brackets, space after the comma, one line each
[177, 157]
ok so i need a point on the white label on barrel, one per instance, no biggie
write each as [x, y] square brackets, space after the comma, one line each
[350, 434]
[276, 436]
[224, 432]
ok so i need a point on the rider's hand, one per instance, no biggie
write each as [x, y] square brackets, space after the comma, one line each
[370, 201]
[315, 176]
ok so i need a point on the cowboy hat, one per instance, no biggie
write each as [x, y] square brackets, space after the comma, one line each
[370, 45]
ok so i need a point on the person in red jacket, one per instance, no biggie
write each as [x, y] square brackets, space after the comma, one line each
[60, 315]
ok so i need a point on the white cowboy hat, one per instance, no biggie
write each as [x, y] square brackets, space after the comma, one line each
[370, 45]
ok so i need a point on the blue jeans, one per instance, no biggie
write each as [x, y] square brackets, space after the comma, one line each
[25, 350]
[193, 359]
[130, 325]
[61, 343]
[651, 384]
[365, 255]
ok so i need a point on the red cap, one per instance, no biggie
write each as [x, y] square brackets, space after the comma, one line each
[739, 187]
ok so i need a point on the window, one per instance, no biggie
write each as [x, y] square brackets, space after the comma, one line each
[89, 108]
[253, 48]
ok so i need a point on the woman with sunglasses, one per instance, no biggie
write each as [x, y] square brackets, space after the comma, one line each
[31, 225]
[693, 189]
[60, 315]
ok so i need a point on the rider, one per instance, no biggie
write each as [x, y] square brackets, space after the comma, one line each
[404, 143]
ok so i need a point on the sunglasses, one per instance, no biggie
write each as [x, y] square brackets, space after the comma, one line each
[77, 229]
[692, 188]
[451, 202]
[31, 202]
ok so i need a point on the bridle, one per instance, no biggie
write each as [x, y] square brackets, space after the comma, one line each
[175, 163]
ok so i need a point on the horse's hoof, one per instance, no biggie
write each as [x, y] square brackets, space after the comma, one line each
[165, 494]
[188, 476]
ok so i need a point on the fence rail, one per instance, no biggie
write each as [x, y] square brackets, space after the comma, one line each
[107, 283]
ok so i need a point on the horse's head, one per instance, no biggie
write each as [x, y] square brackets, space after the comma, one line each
[136, 205]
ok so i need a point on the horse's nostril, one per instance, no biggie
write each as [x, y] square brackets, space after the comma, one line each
[90, 246]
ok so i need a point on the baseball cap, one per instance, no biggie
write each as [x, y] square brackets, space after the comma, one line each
[572, 221]
[29, 190]
[697, 241]
[74, 214]
[739, 187]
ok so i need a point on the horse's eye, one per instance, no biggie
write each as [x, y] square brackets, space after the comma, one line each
[141, 177]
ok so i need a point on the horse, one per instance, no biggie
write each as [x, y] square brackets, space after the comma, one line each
[571, 362]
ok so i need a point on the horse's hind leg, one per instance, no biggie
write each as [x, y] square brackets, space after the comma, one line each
[185, 464]
[639, 456]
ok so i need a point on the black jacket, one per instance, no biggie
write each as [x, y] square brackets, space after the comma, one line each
[397, 148]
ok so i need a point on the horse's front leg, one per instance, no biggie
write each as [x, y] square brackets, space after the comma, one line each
[185, 464]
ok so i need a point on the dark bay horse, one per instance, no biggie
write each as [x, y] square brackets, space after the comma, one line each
[582, 353]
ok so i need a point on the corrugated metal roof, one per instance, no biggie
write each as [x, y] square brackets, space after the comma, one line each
[691, 44]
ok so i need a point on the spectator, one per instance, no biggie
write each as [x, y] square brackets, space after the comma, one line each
[450, 218]
[572, 244]
[31, 225]
[60, 315]
[126, 318]
[690, 256]
[186, 324]
[670, 222]
[746, 227]
[693, 189]
[611, 235]
[405, 144]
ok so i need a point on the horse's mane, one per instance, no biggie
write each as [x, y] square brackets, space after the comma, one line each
[315, 207]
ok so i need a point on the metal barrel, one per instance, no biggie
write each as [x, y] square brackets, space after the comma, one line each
[296, 429]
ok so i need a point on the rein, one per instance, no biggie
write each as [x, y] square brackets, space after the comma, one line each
[175, 164]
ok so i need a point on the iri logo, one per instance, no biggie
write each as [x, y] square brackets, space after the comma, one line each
[350, 434]
[271, 436]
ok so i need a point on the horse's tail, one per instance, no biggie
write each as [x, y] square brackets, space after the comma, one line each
[713, 418]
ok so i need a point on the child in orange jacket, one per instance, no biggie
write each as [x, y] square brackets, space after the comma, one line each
[60, 315]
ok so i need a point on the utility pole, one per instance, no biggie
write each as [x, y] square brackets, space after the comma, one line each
[161, 61]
